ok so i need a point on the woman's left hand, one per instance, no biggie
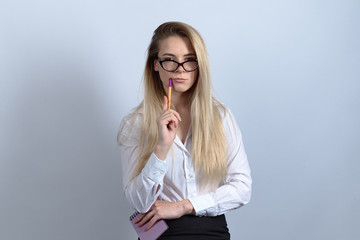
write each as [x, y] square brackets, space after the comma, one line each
[164, 210]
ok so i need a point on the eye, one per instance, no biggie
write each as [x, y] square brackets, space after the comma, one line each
[167, 59]
[190, 59]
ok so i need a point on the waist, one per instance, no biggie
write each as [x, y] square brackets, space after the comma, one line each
[198, 228]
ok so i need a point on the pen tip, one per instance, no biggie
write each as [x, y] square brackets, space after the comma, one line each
[170, 82]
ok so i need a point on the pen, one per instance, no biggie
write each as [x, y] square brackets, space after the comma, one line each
[169, 94]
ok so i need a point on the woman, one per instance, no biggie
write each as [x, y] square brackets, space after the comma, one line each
[185, 164]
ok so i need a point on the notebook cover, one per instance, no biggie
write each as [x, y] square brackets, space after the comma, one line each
[153, 233]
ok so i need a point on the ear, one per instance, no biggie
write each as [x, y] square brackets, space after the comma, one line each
[156, 65]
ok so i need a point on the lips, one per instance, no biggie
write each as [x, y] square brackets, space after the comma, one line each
[179, 79]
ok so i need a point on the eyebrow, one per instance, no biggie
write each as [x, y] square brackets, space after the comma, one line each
[172, 55]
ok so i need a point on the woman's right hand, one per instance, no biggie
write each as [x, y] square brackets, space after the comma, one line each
[167, 123]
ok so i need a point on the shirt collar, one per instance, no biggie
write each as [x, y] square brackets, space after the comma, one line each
[181, 145]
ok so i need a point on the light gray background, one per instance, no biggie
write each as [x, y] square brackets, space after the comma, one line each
[70, 70]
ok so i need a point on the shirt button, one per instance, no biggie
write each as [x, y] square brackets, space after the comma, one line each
[190, 175]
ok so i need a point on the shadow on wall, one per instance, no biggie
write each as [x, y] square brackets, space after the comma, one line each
[63, 173]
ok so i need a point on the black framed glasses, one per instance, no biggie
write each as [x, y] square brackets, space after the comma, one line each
[172, 65]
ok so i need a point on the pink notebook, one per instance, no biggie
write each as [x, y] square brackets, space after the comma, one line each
[153, 233]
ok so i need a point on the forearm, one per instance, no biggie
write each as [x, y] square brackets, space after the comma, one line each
[229, 196]
[144, 189]
[141, 193]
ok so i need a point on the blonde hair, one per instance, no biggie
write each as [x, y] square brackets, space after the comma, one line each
[208, 134]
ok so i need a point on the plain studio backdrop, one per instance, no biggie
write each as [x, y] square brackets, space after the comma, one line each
[71, 70]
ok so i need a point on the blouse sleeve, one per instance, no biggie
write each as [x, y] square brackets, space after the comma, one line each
[140, 191]
[236, 189]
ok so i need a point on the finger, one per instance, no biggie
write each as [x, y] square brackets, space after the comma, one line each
[173, 124]
[151, 222]
[167, 119]
[175, 113]
[165, 103]
[178, 116]
[146, 218]
[138, 219]
[167, 113]
[170, 112]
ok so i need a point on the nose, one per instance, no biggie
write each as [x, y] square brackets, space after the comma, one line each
[180, 70]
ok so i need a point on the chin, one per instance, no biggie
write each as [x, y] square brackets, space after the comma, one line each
[182, 89]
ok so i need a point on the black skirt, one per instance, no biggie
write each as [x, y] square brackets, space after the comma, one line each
[190, 227]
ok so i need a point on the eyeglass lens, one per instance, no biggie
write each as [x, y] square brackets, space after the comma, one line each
[171, 65]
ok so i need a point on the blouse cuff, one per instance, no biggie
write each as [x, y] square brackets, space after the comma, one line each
[155, 169]
[204, 205]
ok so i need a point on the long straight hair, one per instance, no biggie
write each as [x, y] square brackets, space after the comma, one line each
[208, 134]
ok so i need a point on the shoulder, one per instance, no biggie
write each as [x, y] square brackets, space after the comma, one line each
[229, 122]
[224, 112]
[133, 117]
[130, 127]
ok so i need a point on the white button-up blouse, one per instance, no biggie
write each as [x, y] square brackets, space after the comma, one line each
[176, 175]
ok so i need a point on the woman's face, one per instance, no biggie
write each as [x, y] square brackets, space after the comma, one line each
[178, 49]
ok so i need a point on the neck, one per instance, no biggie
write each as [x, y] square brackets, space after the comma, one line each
[180, 101]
